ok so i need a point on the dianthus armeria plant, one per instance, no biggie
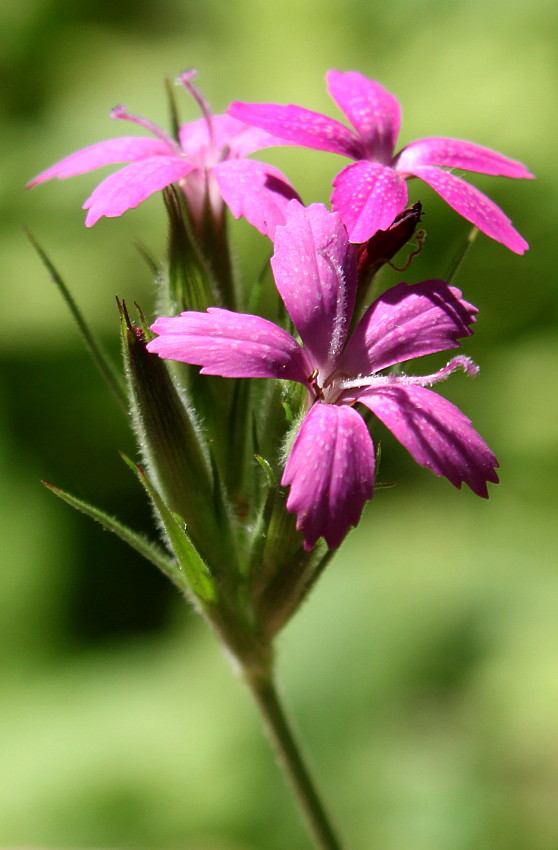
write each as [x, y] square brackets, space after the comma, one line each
[254, 426]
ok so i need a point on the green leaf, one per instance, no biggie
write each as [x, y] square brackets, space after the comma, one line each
[147, 257]
[461, 254]
[108, 371]
[151, 551]
[255, 293]
[173, 109]
[268, 469]
[197, 574]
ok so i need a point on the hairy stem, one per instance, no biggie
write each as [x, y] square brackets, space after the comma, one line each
[290, 759]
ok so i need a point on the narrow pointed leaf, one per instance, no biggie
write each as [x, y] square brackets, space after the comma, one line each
[268, 470]
[461, 254]
[147, 257]
[150, 551]
[173, 109]
[195, 569]
[108, 371]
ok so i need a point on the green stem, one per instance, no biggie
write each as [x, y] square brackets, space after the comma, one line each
[290, 758]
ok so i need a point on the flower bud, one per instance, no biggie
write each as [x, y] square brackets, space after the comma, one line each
[173, 445]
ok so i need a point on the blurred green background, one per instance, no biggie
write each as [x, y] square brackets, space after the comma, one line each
[423, 671]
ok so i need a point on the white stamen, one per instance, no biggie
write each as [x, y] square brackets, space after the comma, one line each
[459, 362]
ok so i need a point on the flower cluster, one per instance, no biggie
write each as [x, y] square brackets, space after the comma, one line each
[208, 160]
[330, 468]
[343, 355]
[369, 193]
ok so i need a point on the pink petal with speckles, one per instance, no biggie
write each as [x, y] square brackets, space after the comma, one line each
[244, 139]
[194, 136]
[111, 152]
[435, 433]
[315, 272]
[454, 153]
[300, 126]
[132, 185]
[406, 322]
[330, 471]
[234, 137]
[372, 110]
[473, 205]
[259, 192]
[368, 196]
[233, 345]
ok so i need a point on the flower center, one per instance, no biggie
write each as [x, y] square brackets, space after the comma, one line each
[338, 384]
[328, 390]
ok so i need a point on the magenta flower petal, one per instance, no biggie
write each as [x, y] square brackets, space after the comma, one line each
[244, 139]
[223, 128]
[330, 470]
[368, 196]
[300, 126]
[373, 111]
[370, 193]
[470, 203]
[406, 322]
[233, 345]
[194, 137]
[315, 272]
[239, 139]
[259, 192]
[435, 433]
[235, 137]
[132, 185]
[157, 162]
[111, 152]
[454, 153]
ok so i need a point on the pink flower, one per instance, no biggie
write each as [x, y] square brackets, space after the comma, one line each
[209, 157]
[369, 193]
[330, 467]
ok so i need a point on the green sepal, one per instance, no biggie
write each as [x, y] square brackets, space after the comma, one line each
[188, 283]
[173, 444]
[285, 593]
[150, 551]
[282, 571]
[196, 571]
[238, 459]
[276, 539]
[107, 369]
[278, 415]
[225, 515]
